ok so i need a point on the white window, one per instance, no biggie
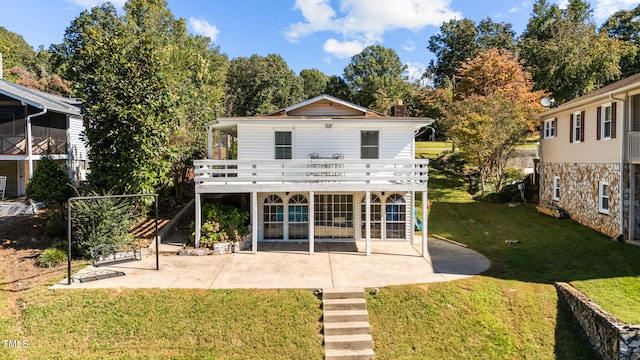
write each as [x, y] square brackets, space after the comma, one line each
[556, 188]
[549, 128]
[605, 122]
[603, 198]
[369, 144]
[576, 131]
[283, 148]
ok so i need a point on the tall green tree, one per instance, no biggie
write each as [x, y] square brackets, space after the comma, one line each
[314, 82]
[565, 53]
[187, 79]
[492, 35]
[127, 100]
[376, 78]
[261, 85]
[337, 87]
[624, 25]
[452, 45]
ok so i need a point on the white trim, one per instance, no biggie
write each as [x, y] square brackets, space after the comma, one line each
[577, 122]
[556, 188]
[601, 196]
[603, 108]
[326, 97]
[549, 131]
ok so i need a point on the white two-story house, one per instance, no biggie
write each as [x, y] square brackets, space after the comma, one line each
[34, 124]
[321, 170]
[589, 157]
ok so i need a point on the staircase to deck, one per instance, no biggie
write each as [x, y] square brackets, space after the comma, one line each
[347, 334]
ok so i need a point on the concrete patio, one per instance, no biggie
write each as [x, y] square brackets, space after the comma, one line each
[289, 265]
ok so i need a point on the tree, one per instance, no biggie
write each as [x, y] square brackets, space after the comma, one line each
[314, 82]
[625, 26]
[337, 87]
[375, 76]
[492, 35]
[184, 90]
[50, 185]
[493, 113]
[260, 85]
[565, 54]
[454, 44]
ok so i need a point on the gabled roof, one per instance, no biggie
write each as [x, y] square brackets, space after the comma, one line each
[39, 99]
[328, 98]
[626, 84]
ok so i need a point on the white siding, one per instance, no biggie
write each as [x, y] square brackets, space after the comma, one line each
[257, 141]
[76, 149]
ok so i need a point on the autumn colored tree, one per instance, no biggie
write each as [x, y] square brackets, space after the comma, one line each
[493, 112]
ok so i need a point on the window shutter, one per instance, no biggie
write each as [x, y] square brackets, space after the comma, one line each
[582, 121]
[613, 120]
[542, 130]
[599, 123]
[554, 123]
[571, 128]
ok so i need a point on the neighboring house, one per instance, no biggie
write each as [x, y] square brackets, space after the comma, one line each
[322, 170]
[590, 151]
[34, 124]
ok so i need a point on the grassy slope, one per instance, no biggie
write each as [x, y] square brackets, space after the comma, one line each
[238, 324]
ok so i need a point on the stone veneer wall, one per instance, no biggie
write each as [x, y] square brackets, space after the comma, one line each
[579, 193]
[610, 338]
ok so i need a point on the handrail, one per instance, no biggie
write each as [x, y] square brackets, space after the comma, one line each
[230, 172]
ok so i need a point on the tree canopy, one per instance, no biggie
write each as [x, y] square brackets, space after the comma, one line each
[376, 77]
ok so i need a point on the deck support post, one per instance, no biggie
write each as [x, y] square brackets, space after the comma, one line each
[367, 220]
[254, 222]
[425, 223]
[198, 218]
[311, 215]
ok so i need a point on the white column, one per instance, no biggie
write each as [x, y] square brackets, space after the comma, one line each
[425, 223]
[412, 215]
[29, 148]
[254, 222]
[198, 217]
[367, 222]
[209, 143]
[312, 221]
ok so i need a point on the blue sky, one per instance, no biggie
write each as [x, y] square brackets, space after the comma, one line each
[320, 34]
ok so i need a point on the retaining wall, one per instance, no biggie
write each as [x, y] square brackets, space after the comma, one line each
[612, 339]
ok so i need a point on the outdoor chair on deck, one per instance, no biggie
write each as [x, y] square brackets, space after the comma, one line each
[3, 185]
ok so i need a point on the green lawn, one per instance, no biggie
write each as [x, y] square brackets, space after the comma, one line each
[509, 312]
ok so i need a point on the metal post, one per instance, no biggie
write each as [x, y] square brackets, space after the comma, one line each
[69, 243]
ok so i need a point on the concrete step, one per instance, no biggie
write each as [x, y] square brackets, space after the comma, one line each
[344, 304]
[348, 342]
[345, 316]
[346, 328]
[342, 293]
[362, 354]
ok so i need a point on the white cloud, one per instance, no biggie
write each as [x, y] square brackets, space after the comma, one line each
[415, 71]
[204, 28]
[605, 8]
[365, 22]
[343, 49]
[86, 4]
[409, 46]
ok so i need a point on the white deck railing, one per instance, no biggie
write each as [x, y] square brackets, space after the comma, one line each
[303, 172]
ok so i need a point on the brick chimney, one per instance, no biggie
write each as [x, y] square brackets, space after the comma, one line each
[399, 109]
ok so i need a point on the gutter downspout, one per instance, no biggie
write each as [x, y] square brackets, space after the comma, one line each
[30, 141]
[625, 125]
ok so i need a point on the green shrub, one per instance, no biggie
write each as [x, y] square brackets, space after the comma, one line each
[50, 184]
[221, 223]
[51, 257]
[102, 221]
